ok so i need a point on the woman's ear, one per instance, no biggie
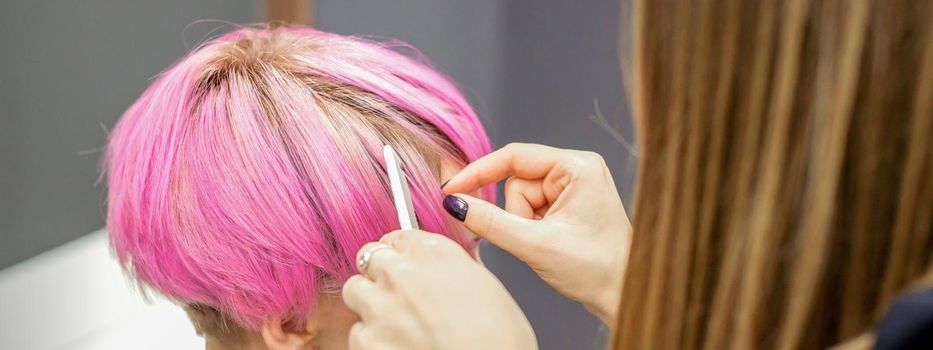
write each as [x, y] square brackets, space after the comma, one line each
[277, 338]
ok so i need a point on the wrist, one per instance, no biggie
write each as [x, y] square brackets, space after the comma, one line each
[605, 305]
[605, 309]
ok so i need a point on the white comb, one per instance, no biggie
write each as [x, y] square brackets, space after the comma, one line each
[401, 195]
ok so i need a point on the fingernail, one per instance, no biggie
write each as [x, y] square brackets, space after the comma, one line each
[456, 207]
[445, 183]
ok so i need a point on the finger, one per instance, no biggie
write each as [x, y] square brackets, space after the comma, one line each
[355, 337]
[524, 197]
[381, 257]
[395, 239]
[361, 295]
[514, 234]
[409, 242]
[528, 161]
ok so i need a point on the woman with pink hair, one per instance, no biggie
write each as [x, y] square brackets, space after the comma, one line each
[247, 176]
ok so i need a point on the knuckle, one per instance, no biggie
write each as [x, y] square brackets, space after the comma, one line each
[516, 146]
[510, 147]
[513, 187]
[394, 238]
[592, 157]
[509, 183]
[489, 222]
[397, 234]
[588, 160]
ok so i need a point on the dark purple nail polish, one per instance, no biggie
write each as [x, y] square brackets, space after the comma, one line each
[445, 183]
[456, 207]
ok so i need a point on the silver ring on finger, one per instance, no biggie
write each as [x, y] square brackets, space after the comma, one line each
[363, 263]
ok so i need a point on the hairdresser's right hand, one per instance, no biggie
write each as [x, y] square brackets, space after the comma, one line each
[563, 217]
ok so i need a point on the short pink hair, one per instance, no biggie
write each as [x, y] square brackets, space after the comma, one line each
[247, 176]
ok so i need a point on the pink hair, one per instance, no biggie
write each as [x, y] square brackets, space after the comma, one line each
[248, 174]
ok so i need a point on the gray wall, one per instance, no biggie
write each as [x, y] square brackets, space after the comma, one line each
[560, 57]
[68, 69]
[531, 68]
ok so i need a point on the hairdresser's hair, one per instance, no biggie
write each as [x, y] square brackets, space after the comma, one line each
[784, 194]
[246, 177]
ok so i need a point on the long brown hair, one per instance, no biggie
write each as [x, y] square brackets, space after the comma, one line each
[785, 188]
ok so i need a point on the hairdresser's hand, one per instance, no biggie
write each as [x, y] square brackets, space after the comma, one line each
[421, 290]
[563, 217]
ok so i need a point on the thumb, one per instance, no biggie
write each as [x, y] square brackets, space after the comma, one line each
[508, 231]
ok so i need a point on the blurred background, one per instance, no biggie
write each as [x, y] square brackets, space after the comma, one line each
[535, 70]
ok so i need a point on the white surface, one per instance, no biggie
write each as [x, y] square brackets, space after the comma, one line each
[75, 297]
[400, 193]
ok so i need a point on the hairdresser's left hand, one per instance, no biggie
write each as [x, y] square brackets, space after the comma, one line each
[401, 306]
